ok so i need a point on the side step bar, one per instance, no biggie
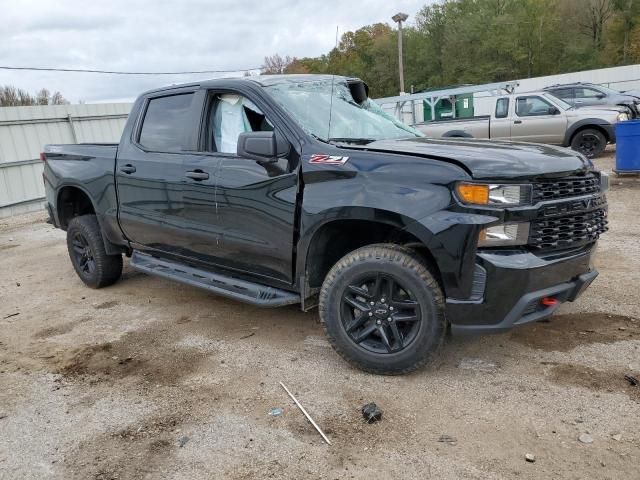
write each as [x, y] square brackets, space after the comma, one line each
[241, 290]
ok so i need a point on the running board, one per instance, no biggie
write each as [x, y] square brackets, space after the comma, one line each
[242, 290]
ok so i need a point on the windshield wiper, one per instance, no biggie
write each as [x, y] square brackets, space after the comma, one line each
[357, 141]
[318, 138]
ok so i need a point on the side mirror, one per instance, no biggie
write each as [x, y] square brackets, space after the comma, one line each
[600, 96]
[262, 146]
[553, 111]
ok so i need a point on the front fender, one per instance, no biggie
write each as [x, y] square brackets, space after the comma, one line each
[451, 237]
[590, 122]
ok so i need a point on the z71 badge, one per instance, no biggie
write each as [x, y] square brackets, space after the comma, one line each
[328, 159]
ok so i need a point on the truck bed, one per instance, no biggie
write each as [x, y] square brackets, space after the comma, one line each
[81, 151]
[476, 127]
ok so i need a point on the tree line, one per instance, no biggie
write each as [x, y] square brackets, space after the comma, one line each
[11, 96]
[457, 42]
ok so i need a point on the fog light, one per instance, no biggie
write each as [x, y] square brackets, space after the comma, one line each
[504, 234]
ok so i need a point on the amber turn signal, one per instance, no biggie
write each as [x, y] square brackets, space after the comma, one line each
[473, 193]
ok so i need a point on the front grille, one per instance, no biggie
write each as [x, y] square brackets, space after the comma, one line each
[567, 231]
[565, 187]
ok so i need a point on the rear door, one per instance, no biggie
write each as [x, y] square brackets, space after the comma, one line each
[589, 96]
[150, 173]
[534, 122]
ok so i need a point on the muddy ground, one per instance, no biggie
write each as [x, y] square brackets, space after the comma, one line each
[150, 379]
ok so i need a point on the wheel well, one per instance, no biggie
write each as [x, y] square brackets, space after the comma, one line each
[72, 202]
[457, 134]
[336, 239]
[590, 127]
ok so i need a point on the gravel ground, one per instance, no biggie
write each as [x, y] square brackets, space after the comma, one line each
[151, 379]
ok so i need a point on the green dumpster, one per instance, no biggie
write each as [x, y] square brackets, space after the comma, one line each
[444, 108]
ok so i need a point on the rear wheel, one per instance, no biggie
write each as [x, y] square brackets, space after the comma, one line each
[590, 142]
[382, 310]
[88, 256]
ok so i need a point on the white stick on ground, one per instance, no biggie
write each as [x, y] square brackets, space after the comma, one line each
[306, 414]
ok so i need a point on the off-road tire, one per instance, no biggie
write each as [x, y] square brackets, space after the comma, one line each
[105, 269]
[590, 142]
[400, 263]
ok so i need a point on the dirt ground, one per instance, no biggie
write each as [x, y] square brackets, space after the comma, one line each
[151, 379]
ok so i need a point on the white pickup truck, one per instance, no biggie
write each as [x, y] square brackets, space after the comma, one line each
[537, 117]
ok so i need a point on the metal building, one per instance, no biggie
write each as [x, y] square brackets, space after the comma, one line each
[23, 132]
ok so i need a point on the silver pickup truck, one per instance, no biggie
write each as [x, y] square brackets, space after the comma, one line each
[537, 117]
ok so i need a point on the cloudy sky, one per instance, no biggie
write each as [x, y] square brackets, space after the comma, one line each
[159, 35]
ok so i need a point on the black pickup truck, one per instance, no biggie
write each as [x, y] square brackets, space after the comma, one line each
[292, 189]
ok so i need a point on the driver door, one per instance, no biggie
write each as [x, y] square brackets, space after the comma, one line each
[534, 122]
[242, 217]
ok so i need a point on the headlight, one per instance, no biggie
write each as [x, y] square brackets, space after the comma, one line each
[623, 117]
[493, 194]
[504, 235]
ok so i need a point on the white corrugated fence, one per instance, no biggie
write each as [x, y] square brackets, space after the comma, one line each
[23, 132]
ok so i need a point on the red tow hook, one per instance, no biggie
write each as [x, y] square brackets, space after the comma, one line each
[549, 301]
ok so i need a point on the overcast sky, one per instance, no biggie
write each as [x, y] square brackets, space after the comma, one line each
[158, 35]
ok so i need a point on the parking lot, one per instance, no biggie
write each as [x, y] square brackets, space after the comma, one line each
[151, 378]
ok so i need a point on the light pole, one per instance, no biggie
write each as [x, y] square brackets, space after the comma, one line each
[399, 18]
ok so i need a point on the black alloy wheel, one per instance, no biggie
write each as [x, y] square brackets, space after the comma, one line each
[95, 267]
[83, 254]
[380, 314]
[383, 310]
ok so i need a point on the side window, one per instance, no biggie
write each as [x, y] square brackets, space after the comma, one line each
[162, 127]
[563, 93]
[502, 107]
[532, 106]
[587, 93]
[229, 116]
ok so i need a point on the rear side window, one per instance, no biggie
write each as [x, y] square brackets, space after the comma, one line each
[163, 125]
[587, 93]
[502, 107]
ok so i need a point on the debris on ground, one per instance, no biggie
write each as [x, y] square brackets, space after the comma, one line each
[276, 412]
[250, 334]
[477, 365]
[617, 437]
[305, 413]
[448, 439]
[530, 457]
[371, 413]
[183, 441]
[11, 315]
[585, 438]
[632, 380]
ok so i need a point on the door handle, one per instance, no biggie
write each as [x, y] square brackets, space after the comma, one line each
[128, 168]
[517, 121]
[197, 175]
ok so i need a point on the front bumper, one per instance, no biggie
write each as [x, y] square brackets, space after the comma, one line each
[514, 285]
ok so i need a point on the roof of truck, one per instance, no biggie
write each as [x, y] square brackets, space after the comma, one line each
[262, 80]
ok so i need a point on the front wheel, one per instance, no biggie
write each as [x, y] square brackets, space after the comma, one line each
[382, 310]
[590, 142]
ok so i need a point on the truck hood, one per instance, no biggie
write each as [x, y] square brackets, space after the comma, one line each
[597, 110]
[490, 159]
